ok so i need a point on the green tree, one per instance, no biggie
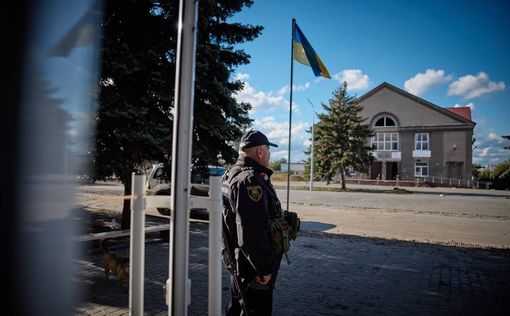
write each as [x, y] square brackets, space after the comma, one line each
[502, 175]
[476, 170]
[277, 165]
[507, 137]
[341, 138]
[134, 123]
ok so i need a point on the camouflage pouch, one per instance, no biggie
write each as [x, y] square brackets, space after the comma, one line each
[279, 229]
[294, 223]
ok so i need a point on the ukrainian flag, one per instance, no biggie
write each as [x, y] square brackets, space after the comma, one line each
[304, 53]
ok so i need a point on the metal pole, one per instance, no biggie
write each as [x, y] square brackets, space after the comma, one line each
[490, 168]
[290, 109]
[137, 244]
[313, 139]
[215, 218]
[179, 292]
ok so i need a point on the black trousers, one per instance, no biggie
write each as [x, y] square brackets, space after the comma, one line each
[259, 302]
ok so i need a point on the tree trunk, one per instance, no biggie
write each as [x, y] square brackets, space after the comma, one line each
[126, 209]
[342, 174]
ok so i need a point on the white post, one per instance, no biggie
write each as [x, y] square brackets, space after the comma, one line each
[313, 139]
[137, 245]
[311, 160]
[215, 227]
[178, 297]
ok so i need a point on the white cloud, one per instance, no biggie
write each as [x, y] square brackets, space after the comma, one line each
[489, 148]
[355, 78]
[285, 89]
[474, 86]
[259, 100]
[278, 132]
[470, 105]
[423, 82]
[265, 101]
[494, 136]
[242, 76]
[274, 130]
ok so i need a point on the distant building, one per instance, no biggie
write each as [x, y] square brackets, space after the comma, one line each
[415, 138]
[295, 167]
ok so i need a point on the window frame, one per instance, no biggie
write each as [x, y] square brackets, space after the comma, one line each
[385, 122]
[422, 165]
[384, 141]
[419, 143]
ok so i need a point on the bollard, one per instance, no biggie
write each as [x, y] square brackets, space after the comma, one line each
[137, 245]
[215, 227]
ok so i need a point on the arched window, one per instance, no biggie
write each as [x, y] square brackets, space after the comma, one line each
[385, 122]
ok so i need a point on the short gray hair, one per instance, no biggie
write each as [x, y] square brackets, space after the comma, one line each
[248, 151]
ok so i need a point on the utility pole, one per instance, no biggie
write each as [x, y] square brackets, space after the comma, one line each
[490, 167]
[313, 139]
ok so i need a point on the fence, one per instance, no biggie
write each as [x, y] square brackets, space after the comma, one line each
[425, 182]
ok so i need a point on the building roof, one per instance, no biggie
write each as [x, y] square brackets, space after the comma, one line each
[463, 111]
[424, 102]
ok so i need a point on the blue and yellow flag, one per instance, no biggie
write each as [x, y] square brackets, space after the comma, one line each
[304, 53]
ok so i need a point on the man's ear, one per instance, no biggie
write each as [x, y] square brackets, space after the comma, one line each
[261, 151]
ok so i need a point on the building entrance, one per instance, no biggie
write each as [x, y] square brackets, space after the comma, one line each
[376, 170]
[391, 170]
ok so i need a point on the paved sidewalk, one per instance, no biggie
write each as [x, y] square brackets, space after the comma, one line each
[328, 275]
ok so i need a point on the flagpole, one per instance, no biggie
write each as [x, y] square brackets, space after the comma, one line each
[290, 109]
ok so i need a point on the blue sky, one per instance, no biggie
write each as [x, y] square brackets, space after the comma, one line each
[450, 53]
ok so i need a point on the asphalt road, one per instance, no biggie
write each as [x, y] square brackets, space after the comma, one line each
[473, 218]
[445, 202]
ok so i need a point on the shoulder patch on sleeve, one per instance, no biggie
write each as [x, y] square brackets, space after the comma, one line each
[255, 192]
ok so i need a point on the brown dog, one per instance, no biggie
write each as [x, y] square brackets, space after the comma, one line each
[115, 264]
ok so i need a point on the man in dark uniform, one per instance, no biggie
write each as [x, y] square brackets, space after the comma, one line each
[254, 203]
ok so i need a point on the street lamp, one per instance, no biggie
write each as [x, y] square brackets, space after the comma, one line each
[313, 138]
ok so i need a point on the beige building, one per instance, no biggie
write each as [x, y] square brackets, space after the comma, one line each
[415, 138]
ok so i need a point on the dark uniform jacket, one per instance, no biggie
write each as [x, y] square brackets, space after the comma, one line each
[254, 203]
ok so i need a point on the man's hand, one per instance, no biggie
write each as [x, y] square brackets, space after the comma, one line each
[263, 279]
